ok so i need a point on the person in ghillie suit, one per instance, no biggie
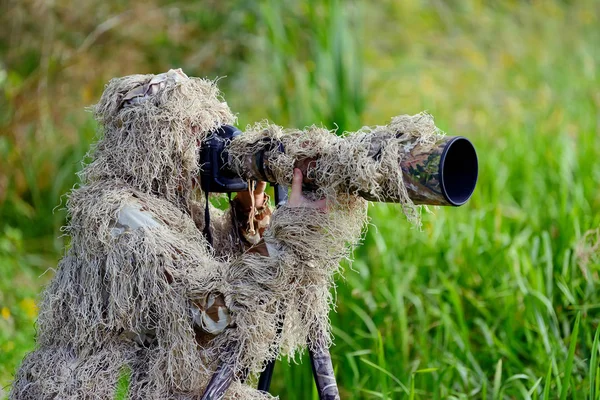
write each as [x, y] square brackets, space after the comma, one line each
[141, 292]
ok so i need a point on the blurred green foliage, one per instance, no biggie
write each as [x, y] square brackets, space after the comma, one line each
[482, 302]
[18, 290]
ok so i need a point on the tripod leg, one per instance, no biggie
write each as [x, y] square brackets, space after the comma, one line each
[264, 382]
[322, 368]
[219, 383]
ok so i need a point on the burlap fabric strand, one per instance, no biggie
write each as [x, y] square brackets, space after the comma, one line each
[132, 292]
[126, 296]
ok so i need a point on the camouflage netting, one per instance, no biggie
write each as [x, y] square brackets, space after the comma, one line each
[131, 292]
[343, 166]
[135, 290]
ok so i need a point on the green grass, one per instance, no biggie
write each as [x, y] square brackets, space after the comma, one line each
[485, 297]
[490, 300]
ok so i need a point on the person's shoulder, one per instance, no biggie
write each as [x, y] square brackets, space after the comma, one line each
[98, 200]
[118, 209]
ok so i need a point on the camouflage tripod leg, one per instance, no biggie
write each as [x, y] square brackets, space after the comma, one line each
[223, 376]
[219, 383]
[322, 368]
[320, 360]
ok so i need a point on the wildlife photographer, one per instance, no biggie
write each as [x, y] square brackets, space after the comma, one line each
[141, 292]
[190, 302]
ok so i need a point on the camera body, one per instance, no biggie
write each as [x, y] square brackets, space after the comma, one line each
[215, 176]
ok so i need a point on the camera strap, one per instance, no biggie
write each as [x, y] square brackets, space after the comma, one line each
[206, 231]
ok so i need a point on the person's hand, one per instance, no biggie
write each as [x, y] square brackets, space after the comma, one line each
[298, 200]
[259, 196]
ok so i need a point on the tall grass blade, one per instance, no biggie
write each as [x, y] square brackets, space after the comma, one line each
[497, 381]
[547, 384]
[377, 367]
[570, 357]
[122, 391]
[594, 364]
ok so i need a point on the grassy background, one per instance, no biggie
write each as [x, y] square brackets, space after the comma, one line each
[496, 299]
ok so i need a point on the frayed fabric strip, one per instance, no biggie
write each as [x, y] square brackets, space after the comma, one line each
[340, 167]
[139, 293]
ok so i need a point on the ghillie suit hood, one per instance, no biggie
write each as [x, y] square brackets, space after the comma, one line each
[141, 294]
[152, 126]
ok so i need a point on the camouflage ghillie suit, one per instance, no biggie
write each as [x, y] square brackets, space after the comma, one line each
[140, 291]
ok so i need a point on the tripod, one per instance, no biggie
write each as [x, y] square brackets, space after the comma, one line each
[320, 359]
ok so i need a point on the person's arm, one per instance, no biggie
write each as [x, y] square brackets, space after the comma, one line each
[240, 227]
[288, 276]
